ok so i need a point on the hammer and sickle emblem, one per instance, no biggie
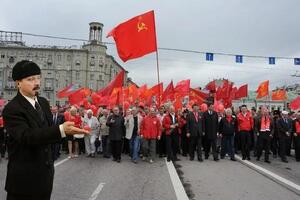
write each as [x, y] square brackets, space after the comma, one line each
[141, 26]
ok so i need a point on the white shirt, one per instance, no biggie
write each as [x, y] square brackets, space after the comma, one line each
[32, 102]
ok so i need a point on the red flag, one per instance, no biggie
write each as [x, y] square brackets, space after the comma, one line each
[224, 91]
[135, 37]
[242, 92]
[67, 91]
[78, 96]
[182, 88]
[295, 104]
[115, 83]
[279, 95]
[211, 86]
[132, 93]
[168, 94]
[96, 99]
[197, 96]
[263, 89]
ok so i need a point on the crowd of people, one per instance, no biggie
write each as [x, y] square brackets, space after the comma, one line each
[146, 132]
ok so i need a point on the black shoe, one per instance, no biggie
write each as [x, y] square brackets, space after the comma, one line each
[267, 161]
[284, 160]
[232, 159]
[168, 159]
[118, 160]
[222, 157]
[206, 157]
[297, 160]
[90, 155]
[244, 158]
[191, 159]
[216, 159]
[160, 156]
[248, 158]
[200, 159]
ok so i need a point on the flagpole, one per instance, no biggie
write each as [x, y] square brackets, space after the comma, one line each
[158, 77]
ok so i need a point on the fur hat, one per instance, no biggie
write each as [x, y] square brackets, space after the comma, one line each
[24, 69]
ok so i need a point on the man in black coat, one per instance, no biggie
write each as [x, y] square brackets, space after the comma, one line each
[194, 132]
[210, 128]
[28, 122]
[58, 119]
[117, 130]
[285, 126]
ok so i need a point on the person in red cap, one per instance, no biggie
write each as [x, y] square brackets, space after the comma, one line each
[30, 129]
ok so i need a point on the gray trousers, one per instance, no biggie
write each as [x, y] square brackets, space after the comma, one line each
[149, 147]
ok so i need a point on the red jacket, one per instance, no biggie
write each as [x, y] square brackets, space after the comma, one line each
[167, 122]
[150, 127]
[245, 123]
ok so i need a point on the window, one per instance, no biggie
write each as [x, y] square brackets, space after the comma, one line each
[58, 57]
[48, 83]
[77, 75]
[92, 77]
[2, 56]
[100, 77]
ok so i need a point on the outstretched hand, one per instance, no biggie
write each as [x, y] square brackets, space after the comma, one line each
[70, 129]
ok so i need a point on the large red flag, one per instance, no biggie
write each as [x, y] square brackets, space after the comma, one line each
[67, 91]
[197, 96]
[242, 92]
[263, 90]
[295, 104]
[168, 94]
[135, 37]
[279, 95]
[115, 83]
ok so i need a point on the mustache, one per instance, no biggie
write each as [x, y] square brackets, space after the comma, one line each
[36, 87]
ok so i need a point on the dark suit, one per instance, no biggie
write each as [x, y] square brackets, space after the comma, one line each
[284, 140]
[117, 131]
[57, 120]
[194, 127]
[30, 169]
[210, 128]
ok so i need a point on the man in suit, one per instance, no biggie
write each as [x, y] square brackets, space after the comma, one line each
[210, 128]
[117, 130]
[284, 125]
[29, 124]
[264, 130]
[194, 132]
[58, 119]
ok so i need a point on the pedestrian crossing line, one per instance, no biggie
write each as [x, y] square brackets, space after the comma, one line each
[270, 174]
[178, 187]
[97, 191]
[61, 162]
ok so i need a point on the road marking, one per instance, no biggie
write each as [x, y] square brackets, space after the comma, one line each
[61, 162]
[178, 187]
[97, 191]
[269, 173]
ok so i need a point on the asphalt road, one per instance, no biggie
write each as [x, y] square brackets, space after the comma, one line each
[98, 178]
